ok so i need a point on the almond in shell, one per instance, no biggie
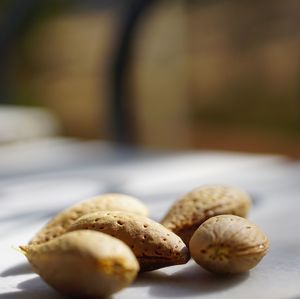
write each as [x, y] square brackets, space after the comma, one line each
[190, 211]
[154, 245]
[84, 264]
[108, 202]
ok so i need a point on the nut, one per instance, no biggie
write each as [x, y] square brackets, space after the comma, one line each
[186, 215]
[61, 222]
[84, 264]
[154, 245]
[228, 244]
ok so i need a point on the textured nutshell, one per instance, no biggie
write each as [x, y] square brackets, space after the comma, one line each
[154, 245]
[187, 214]
[62, 221]
[228, 244]
[84, 264]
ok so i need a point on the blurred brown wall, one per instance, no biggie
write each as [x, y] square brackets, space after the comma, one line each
[63, 66]
[221, 75]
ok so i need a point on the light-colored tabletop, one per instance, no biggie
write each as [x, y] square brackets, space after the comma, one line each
[39, 178]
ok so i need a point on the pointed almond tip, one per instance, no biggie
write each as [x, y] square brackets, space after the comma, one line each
[184, 256]
[22, 249]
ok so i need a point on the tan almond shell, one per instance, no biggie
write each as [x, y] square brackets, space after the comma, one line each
[228, 244]
[154, 245]
[190, 211]
[85, 264]
[111, 201]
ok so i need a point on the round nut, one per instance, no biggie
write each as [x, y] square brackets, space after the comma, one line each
[228, 244]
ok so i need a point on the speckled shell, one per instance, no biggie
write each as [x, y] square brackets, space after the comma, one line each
[154, 245]
[85, 264]
[187, 214]
[62, 221]
[228, 244]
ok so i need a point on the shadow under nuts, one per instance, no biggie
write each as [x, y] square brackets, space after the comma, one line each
[228, 244]
[84, 264]
[189, 212]
[154, 245]
[105, 202]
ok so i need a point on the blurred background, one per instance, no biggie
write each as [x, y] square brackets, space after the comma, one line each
[155, 74]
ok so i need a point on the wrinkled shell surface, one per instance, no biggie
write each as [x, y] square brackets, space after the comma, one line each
[187, 214]
[228, 244]
[154, 245]
[62, 221]
[85, 264]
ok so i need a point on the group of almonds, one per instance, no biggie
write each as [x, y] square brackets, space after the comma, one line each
[97, 247]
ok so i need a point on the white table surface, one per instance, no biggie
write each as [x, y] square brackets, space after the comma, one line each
[39, 179]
